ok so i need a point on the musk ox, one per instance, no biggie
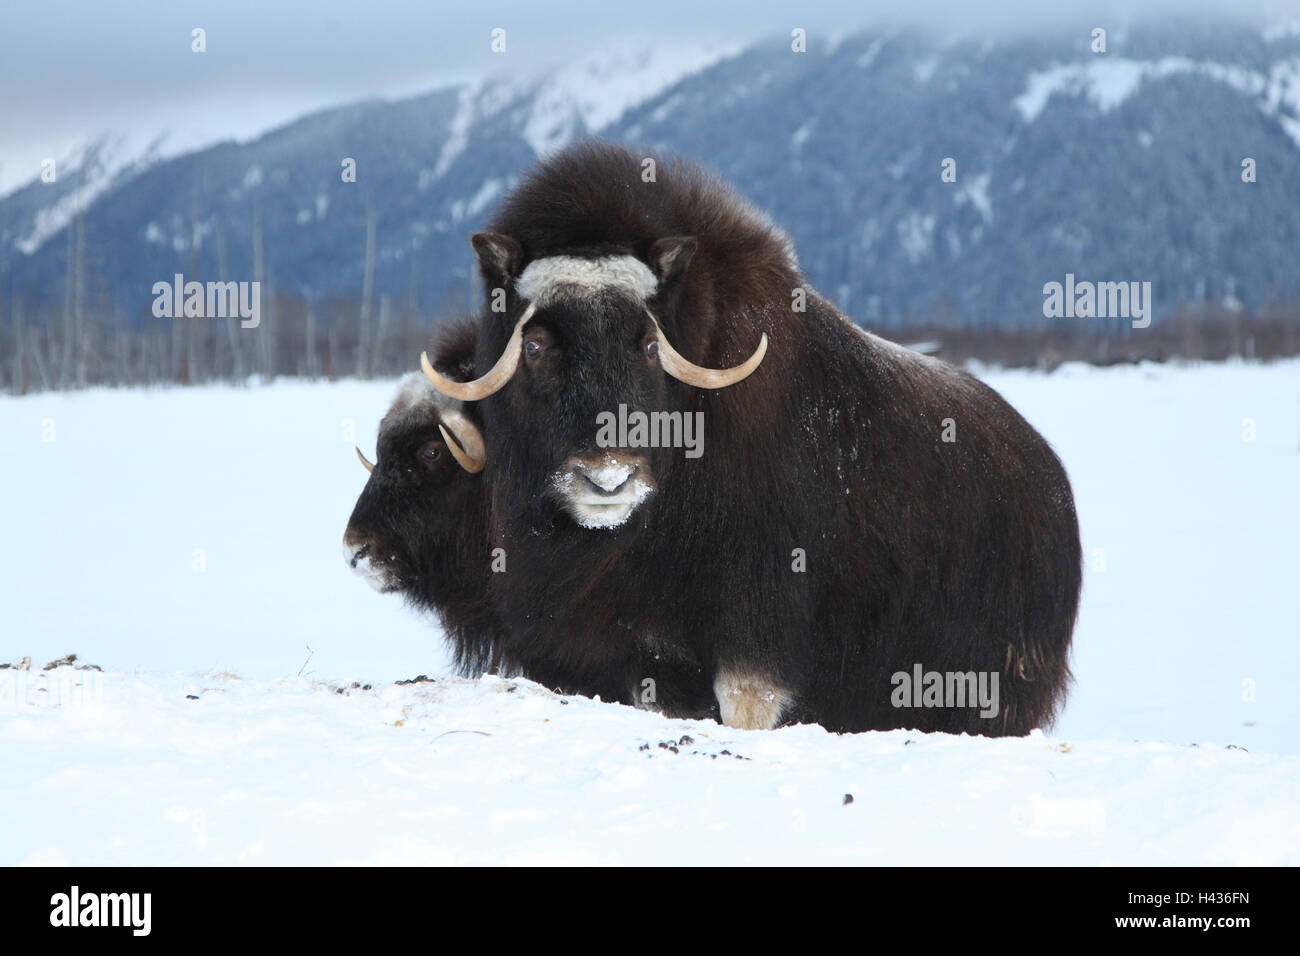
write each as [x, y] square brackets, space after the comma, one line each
[420, 525]
[859, 513]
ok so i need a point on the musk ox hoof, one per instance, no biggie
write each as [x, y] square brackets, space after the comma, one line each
[750, 702]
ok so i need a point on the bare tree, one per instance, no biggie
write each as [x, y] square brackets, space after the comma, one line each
[377, 353]
[311, 367]
[191, 326]
[259, 277]
[20, 355]
[364, 344]
[232, 320]
[65, 361]
[46, 381]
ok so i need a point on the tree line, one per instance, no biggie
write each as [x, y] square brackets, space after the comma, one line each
[81, 340]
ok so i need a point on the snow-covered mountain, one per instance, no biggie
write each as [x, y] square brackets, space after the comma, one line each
[43, 208]
[1116, 166]
[429, 166]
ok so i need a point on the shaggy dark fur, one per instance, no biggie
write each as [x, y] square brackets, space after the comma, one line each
[425, 523]
[958, 556]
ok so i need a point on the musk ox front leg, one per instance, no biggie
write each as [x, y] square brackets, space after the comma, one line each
[750, 701]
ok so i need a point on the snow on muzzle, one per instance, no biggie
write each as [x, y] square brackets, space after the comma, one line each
[602, 490]
[358, 553]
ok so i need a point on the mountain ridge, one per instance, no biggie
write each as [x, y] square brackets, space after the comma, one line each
[1120, 166]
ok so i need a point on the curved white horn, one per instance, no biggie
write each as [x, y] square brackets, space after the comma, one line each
[496, 377]
[368, 466]
[467, 446]
[692, 374]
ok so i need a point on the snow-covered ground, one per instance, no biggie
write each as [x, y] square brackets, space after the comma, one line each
[187, 542]
[291, 772]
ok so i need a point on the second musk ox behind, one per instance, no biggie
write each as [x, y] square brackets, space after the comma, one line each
[858, 511]
[420, 525]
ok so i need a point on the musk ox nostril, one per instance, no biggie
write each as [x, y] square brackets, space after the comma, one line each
[601, 489]
[603, 493]
[355, 548]
[378, 574]
[359, 554]
[609, 476]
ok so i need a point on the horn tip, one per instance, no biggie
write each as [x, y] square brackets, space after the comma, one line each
[463, 458]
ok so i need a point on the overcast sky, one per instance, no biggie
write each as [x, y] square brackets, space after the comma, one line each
[71, 70]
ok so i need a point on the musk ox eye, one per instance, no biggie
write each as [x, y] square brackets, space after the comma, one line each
[430, 453]
[652, 349]
[536, 343]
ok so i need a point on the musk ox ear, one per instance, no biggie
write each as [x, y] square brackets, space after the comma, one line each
[669, 257]
[499, 257]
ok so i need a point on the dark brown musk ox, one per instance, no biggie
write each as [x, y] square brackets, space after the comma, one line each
[856, 514]
[419, 527]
